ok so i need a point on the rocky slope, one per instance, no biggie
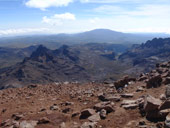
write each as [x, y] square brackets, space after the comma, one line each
[144, 57]
[44, 66]
[11, 56]
[141, 102]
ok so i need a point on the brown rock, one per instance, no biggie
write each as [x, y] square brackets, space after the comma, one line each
[130, 106]
[151, 103]
[87, 113]
[43, 120]
[54, 107]
[155, 81]
[127, 102]
[167, 121]
[75, 114]
[121, 83]
[66, 110]
[165, 105]
[17, 116]
[94, 118]
[89, 125]
[102, 97]
[103, 114]
[115, 98]
[167, 92]
[108, 106]
[62, 125]
[167, 80]
[162, 97]
[27, 124]
[139, 89]
[127, 95]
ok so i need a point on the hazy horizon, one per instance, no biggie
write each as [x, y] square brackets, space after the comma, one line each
[25, 17]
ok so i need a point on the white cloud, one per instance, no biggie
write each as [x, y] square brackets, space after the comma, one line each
[23, 31]
[94, 20]
[58, 19]
[110, 9]
[104, 1]
[142, 10]
[43, 4]
[124, 1]
[151, 10]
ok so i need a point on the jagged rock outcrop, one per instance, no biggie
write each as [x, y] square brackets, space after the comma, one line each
[44, 66]
[145, 56]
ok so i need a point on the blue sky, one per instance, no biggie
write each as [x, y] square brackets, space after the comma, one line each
[18, 17]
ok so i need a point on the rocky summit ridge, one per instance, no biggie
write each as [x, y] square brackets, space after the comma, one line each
[142, 102]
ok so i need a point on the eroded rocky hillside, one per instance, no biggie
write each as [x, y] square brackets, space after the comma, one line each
[143, 58]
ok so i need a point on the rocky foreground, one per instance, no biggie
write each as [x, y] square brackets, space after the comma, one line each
[128, 103]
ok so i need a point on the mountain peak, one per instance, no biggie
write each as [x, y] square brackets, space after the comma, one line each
[40, 51]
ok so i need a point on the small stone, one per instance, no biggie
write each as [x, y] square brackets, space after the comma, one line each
[43, 120]
[89, 125]
[66, 110]
[54, 107]
[28, 124]
[103, 114]
[162, 97]
[75, 114]
[17, 116]
[62, 125]
[127, 95]
[130, 106]
[139, 89]
[167, 121]
[167, 92]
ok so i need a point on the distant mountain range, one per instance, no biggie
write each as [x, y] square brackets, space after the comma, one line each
[44, 66]
[94, 36]
[89, 62]
[82, 62]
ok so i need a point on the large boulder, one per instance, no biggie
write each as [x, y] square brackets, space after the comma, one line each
[122, 82]
[151, 103]
[154, 81]
[151, 107]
